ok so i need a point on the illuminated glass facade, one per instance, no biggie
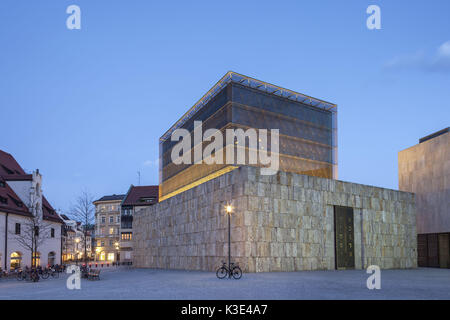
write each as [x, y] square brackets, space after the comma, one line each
[307, 130]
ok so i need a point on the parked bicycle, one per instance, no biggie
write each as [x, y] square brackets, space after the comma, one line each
[3, 274]
[232, 271]
[28, 274]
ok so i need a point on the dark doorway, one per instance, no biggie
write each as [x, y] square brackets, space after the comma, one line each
[433, 250]
[444, 250]
[344, 237]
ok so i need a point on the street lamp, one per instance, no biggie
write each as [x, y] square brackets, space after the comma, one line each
[117, 251]
[77, 240]
[229, 210]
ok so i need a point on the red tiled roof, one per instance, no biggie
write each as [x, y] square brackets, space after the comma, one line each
[9, 165]
[136, 194]
[10, 170]
[49, 212]
[13, 203]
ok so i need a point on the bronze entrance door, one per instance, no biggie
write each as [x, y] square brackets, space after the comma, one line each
[344, 238]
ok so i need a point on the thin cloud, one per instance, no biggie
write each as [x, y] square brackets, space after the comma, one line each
[437, 62]
[150, 163]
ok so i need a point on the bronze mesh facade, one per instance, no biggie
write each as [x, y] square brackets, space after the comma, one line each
[307, 135]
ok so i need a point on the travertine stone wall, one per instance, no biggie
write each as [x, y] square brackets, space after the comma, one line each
[425, 170]
[280, 223]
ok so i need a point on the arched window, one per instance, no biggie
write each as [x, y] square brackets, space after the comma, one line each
[51, 258]
[36, 259]
[16, 260]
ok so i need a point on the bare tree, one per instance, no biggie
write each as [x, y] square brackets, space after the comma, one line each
[33, 231]
[83, 210]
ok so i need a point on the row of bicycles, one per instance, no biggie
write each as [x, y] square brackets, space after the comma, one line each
[33, 274]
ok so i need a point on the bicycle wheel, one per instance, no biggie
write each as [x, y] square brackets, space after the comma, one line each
[20, 276]
[237, 273]
[221, 272]
[34, 277]
[45, 275]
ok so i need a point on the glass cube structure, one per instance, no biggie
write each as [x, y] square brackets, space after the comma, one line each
[307, 131]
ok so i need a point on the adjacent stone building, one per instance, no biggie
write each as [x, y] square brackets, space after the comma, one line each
[425, 170]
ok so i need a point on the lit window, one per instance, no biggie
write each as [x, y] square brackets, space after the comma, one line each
[126, 236]
[111, 256]
[111, 230]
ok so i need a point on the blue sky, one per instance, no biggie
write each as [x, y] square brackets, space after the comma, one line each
[88, 106]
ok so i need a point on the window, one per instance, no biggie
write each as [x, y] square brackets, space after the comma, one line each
[17, 228]
[3, 200]
[126, 236]
[110, 242]
[102, 230]
[52, 232]
[111, 256]
[2, 184]
[99, 244]
[118, 219]
[103, 243]
[111, 230]
[103, 219]
[111, 219]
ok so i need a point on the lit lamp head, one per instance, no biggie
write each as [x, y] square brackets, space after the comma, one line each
[228, 209]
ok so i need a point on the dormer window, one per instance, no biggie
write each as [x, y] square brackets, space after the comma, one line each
[3, 200]
[150, 199]
[2, 184]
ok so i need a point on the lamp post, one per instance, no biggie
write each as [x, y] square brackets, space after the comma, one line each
[117, 252]
[77, 240]
[229, 210]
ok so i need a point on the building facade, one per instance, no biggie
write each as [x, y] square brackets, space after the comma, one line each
[26, 219]
[300, 218]
[136, 199]
[73, 241]
[425, 170]
[107, 228]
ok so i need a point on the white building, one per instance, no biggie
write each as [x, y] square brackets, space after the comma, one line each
[27, 219]
[73, 241]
